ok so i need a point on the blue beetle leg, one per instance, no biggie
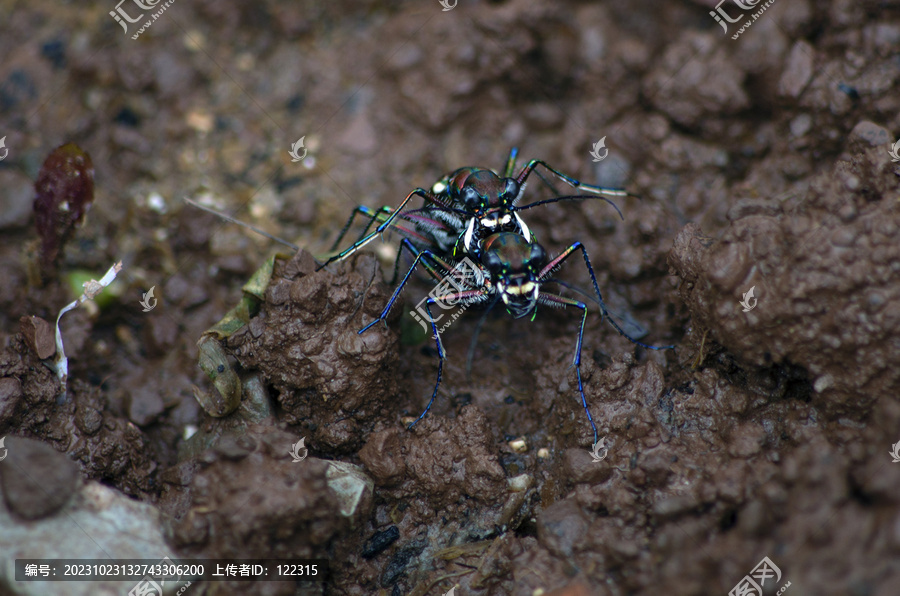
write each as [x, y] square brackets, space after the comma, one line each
[553, 264]
[362, 210]
[554, 300]
[420, 255]
[441, 356]
[382, 227]
[469, 295]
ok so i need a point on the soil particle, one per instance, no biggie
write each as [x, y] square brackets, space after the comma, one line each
[114, 451]
[179, 290]
[797, 71]
[834, 324]
[105, 446]
[288, 510]
[322, 371]
[442, 461]
[562, 527]
[37, 480]
[160, 334]
[581, 467]
[143, 401]
[88, 418]
[535, 568]
[708, 86]
[746, 440]
[383, 456]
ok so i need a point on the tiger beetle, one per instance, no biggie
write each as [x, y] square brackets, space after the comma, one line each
[514, 271]
[473, 218]
[465, 206]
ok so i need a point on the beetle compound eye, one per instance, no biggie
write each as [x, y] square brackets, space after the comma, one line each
[471, 198]
[538, 255]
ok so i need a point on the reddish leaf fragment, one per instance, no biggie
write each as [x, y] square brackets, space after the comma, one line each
[65, 191]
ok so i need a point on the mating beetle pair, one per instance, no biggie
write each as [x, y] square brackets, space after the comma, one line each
[470, 233]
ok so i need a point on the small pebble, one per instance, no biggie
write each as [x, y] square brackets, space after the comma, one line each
[156, 202]
[235, 449]
[88, 419]
[36, 479]
[201, 122]
[798, 71]
[801, 125]
[518, 445]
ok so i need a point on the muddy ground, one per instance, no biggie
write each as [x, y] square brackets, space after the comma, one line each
[761, 161]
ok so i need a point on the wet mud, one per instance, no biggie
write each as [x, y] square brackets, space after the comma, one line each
[761, 162]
